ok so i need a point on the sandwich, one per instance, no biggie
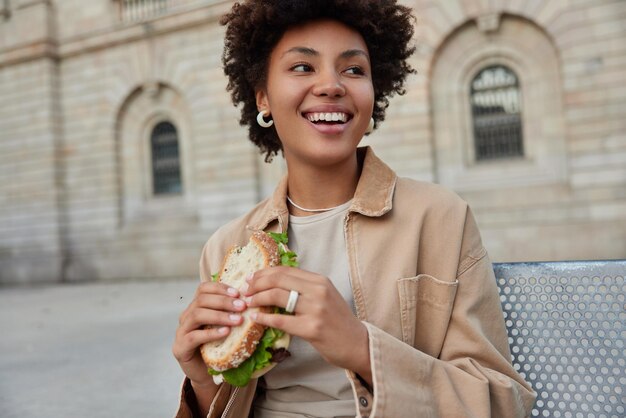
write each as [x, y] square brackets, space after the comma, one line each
[251, 349]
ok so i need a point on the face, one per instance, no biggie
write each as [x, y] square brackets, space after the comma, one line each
[319, 92]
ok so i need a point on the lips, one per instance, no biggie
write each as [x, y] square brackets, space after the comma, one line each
[328, 119]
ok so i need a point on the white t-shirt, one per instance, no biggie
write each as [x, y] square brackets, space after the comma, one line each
[305, 385]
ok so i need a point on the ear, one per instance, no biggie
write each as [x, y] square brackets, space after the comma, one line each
[262, 102]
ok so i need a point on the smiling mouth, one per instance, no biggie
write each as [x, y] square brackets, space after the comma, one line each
[328, 117]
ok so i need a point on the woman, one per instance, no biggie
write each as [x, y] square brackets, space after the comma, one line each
[398, 313]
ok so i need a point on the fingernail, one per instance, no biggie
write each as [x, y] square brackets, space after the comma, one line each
[249, 277]
[238, 303]
[232, 291]
[244, 287]
[234, 317]
[254, 316]
[248, 300]
[223, 330]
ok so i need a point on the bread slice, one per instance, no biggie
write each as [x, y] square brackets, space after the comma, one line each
[260, 252]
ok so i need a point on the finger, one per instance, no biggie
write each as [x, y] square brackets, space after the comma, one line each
[288, 323]
[187, 343]
[278, 277]
[272, 297]
[212, 302]
[220, 302]
[216, 288]
[307, 328]
[199, 318]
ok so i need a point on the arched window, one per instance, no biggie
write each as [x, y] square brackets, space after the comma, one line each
[496, 114]
[165, 159]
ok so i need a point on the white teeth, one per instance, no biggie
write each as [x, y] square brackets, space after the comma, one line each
[328, 117]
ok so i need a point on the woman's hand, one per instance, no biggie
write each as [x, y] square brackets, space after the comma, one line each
[215, 305]
[321, 315]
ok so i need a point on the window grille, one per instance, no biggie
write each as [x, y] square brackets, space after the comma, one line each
[137, 10]
[496, 114]
[165, 159]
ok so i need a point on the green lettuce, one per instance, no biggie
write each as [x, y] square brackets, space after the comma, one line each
[287, 258]
[240, 376]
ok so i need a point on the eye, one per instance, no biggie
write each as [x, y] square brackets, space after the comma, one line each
[302, 68]
[355, 70]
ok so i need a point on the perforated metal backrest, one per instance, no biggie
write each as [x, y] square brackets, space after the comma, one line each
[566, 327]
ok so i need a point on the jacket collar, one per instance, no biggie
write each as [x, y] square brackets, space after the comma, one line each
[373, 195]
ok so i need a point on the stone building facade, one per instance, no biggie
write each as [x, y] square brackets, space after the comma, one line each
[89, 89]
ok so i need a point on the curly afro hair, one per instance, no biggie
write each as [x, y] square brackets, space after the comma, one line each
[254, 27]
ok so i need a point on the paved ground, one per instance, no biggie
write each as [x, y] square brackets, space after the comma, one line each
[90, 350]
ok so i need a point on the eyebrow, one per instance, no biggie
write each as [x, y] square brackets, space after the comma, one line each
[312, 52]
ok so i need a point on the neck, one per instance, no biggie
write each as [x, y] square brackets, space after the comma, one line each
[320, 188]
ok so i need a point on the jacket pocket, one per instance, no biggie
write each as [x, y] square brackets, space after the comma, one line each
[425, 308]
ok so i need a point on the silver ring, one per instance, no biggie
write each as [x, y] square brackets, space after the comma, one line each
[291, 302]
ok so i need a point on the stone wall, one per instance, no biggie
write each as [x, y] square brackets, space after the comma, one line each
[577, 209]
[31, 222]
[120, 86]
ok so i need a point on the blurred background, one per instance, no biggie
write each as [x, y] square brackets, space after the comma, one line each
[121, 153]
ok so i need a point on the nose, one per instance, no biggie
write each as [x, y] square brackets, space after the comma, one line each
[329, 85]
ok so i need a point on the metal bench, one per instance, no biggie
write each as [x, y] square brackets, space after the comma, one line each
[566, 328]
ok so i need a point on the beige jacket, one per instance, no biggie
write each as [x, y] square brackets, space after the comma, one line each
[424, 287]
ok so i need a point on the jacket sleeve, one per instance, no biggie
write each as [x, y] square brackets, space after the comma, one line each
[187, 407]
[472, 376]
